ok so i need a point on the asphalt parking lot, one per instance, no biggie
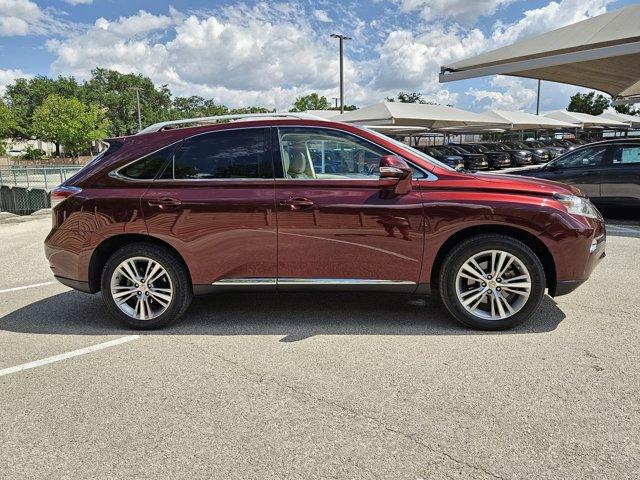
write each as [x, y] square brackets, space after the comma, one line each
[317, 386]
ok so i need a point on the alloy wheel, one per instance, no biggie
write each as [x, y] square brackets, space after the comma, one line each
[141, 288]
[493, 285]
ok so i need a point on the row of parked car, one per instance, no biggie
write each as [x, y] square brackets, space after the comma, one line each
[485, 156]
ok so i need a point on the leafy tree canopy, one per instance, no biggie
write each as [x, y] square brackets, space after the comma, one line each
[591, 103]
[8, 122]
[313, 101]
[403, 97]
[69, 122]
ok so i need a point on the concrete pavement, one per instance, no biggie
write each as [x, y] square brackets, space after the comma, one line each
[319, 386]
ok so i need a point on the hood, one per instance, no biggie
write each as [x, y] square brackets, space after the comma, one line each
[526, 184]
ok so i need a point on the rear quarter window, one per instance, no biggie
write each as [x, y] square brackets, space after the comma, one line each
[151, 166]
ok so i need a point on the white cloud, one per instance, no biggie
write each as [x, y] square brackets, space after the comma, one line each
[547, 18]
[322, 16]
[237, 61]
[460, 11]
[270, 52]
[79, 2]
[514, 94]
[17, 16]
[7, 77]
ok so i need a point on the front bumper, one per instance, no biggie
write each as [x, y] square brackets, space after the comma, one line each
[584, 264]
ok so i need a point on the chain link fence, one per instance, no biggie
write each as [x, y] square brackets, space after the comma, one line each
[23, 190]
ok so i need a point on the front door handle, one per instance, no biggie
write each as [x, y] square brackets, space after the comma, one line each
[297, 204]
[165, 203]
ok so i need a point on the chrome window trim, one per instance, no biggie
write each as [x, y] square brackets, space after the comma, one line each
[430, 177]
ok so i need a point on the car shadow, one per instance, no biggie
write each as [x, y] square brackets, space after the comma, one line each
[293, 316]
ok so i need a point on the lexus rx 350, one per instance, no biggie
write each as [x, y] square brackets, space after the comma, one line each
[276, 203]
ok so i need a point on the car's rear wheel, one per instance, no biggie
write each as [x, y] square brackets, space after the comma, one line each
[145, 286]
[492, 282]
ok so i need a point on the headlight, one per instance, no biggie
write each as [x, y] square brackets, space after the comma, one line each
[577, 205]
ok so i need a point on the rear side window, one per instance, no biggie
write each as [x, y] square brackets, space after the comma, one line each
[627, 155]
[227, 154]
[149, 167]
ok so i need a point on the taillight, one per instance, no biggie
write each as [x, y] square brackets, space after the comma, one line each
[60, 194]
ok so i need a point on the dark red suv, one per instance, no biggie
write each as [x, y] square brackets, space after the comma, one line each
[300, 203]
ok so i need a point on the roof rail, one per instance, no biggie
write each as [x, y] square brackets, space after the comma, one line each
[156, 127]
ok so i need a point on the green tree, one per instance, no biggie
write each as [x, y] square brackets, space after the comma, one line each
[242, 110]
[195, 106]
[313, 101]
[70, 123]
[588, 103]
[403, 97]
[7, 121]
[626, 109]
[25, 95]
[116, 93]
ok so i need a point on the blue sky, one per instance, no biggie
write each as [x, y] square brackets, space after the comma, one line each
[267, 53]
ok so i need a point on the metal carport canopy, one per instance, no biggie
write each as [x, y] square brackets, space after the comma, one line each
[528, 121]
[584, 120]
[632, 120]
[602, 53]
[416, 115]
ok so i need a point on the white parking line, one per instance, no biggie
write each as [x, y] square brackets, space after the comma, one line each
[15, 289]
[625, 228]
[64, 356]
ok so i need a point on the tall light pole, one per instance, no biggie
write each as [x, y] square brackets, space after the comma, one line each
[538, 99]
[342, 38]
[137, 89]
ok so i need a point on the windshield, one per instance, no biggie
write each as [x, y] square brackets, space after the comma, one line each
[481, 148]
[414, 151]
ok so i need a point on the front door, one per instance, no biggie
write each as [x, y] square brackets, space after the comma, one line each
[215, 204]
[338, 223]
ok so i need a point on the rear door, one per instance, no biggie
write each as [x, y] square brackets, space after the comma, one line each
[336, 224]
[582, 168]
[621, 175]
[215, 204]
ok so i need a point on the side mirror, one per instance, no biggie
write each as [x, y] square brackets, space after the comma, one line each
[393, 167]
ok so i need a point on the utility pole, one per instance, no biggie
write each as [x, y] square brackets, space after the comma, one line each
[335, 99]
[538, 106]
[137, 89]
[342, 38]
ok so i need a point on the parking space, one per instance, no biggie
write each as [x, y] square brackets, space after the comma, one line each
[317, 386]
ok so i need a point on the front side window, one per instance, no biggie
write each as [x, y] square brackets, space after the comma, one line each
[587, 157]
[316, 153]
[240, 153]
[626, 155]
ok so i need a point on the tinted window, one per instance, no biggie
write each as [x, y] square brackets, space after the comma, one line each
[586, 157]
[322, 153]
[228, 154]
[627, 155]
[148, 167]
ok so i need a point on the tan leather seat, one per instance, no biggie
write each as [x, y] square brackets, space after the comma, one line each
[295, 162]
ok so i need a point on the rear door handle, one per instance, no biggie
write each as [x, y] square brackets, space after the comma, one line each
[165, 203]
[299, 203]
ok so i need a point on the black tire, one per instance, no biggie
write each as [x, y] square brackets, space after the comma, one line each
[180, 280]
[476, 244]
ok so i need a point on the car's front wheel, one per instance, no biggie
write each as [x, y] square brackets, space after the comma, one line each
[145, 286]
[492, 282]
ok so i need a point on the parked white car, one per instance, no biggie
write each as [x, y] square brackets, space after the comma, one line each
[14, 152]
